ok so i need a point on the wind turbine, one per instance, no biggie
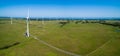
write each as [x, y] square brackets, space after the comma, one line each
[27, 21]
[43, 23]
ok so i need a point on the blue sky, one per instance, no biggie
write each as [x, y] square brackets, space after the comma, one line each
[60, 8]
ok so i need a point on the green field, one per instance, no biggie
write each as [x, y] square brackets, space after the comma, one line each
[88, 39]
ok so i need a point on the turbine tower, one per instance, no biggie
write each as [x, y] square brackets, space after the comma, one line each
[27, 21]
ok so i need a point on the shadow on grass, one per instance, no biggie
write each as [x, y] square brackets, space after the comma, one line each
[8, 46]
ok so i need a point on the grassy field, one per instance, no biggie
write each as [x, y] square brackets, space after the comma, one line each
[88, 39]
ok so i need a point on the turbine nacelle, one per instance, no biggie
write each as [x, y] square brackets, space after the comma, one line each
[27, 17]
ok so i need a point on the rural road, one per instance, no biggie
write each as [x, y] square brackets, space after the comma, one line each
[58, 49]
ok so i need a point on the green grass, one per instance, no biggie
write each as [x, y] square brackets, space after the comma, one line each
[77, 38]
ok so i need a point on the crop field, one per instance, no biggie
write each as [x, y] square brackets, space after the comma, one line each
[82, 39]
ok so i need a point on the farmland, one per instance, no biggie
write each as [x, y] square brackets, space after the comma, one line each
[83, 39]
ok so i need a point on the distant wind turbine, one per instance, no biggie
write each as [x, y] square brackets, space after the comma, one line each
[27, 21]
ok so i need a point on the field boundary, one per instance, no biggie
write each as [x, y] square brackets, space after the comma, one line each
[58, 49]
[99, 47]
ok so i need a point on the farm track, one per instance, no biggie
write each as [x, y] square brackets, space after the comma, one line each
[58, 49]
[99, 47]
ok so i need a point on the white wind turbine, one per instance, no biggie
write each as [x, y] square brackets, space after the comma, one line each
[27, 21]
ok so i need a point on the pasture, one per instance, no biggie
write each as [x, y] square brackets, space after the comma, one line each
[83, 39]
